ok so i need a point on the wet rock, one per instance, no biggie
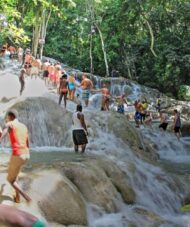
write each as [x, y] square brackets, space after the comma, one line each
[57, 198]
[119, 179]
[123, 129]
[47, 122]
[185, 128]
[93, 184]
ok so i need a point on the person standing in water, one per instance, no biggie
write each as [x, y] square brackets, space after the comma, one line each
[63, 89]
[13, 217]
[79, 130]
[105, 98]
[72, 87]
[22, 80]
[18, 134]
[45, 71]
[164, 120]
[177, 124]
[121, 101]
[86, 86]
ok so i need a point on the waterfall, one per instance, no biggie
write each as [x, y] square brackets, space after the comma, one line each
[159, 195]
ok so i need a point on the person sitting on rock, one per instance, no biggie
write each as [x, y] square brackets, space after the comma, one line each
[11, 216]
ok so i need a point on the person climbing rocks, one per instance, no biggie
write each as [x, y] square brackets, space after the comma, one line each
[27, 61]
[177, 124]
[45, 66]
[158, 103]
[80, 132]
[105, 98]
[22, 80]
[163, 120]
[143, 109]
[86, 86]
[63, 89]
[57, 74]
[36, 67]
[120, 106]
[18, 134]
[137, 116]
[148, 119]
[20, 53]
[11, 216]
[51, 73]
[72, 87]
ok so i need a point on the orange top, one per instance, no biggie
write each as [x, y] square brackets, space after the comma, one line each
[18, 134]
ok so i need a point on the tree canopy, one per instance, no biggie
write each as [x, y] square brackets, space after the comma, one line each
[145, 40]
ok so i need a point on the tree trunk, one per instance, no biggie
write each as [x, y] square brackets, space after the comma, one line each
[44, 26]
[91, 56]
[104, 50]
[36, 33]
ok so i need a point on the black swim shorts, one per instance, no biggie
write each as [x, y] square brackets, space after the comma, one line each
[177, 129]
[164, 126]
[79, 137]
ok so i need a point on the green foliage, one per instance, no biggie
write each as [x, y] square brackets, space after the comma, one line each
[184, 92]
[126, 33]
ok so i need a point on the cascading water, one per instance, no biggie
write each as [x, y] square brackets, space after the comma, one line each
[158, 195]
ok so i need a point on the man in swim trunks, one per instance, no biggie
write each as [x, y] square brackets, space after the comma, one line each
[121, 101]
[22, 80]
[63, 89]
[18, 134]
[164, 120]
[177, 124]
[86, 86]
[79, 130]
[13, 217]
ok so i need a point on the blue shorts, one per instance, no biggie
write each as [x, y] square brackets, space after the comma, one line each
[137, 116]
[121, 109]
[85, 94]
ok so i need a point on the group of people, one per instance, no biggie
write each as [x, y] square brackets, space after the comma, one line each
[143, 116]
[66, 87]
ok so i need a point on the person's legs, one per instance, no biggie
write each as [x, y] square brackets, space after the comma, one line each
[76, 148]
[107, 105]
[86, 102]
[22, 83]
[83, 148]
[60, 98]
[15, 166]
[65, 99]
